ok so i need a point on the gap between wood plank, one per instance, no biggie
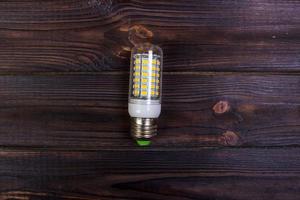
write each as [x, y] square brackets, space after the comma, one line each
[136, 149]
[203, 73]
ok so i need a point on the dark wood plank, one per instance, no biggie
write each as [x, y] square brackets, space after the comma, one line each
[90, 111]
[240, 174]
[92, 35]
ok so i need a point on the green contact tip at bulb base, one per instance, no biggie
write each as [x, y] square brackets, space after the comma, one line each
[143, 142]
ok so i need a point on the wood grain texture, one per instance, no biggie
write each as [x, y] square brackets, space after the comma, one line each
[241, 174]
[92, 35]
[230, 124]
[90, 111]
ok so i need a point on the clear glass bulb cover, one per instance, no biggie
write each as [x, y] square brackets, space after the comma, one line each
[145, 83]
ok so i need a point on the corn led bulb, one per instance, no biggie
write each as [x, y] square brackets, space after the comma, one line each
[144, 102]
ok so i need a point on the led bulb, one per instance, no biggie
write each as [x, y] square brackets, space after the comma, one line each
[144, 102]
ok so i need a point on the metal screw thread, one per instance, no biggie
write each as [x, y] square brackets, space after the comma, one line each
[143, 128]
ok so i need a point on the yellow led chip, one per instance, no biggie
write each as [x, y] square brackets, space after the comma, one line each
[145, 68]
[145, 62]
[144, 80]
[144, 93]
[135, 92]
[137, 68]
[144, 86]
[144, 74]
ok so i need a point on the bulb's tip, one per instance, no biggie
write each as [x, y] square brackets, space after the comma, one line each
[142, 142]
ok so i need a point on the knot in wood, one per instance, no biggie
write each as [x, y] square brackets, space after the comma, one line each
[221, 107]
[139, 34]
[229, 138]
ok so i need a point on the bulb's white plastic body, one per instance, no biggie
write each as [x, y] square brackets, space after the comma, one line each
[146, 103]
[144, 110]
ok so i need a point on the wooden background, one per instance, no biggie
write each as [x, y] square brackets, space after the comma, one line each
[230, 125]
